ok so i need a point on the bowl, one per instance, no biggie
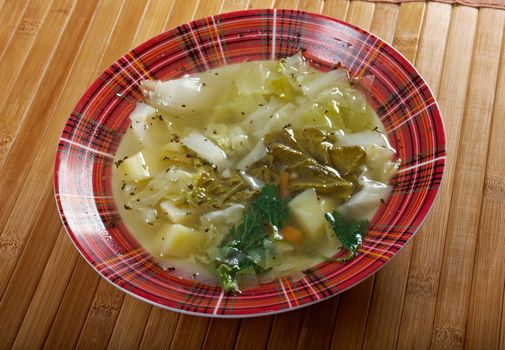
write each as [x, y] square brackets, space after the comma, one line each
[87, 145]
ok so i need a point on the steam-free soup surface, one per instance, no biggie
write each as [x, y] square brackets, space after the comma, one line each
[252, 171]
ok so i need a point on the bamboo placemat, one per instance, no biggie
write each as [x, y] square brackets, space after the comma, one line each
[498, 4]
[445, 290]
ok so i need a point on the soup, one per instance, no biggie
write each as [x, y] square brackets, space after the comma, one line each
[252, 171]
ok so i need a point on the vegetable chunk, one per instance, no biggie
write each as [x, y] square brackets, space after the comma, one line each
[306, 212]
[134, 168]
[181, 241]
[173, 213]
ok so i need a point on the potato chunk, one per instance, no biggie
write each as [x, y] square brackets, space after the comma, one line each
[134, 168]
[307, 214]
[180, 241]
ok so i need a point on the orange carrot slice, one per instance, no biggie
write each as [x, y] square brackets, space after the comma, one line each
[284, 183]
[292, 234]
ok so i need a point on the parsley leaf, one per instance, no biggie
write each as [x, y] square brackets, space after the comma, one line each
[247, 247]
[271, 207]
[349, 231]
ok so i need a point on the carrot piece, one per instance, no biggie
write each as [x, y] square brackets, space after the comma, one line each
[291, 234]
[284, 183]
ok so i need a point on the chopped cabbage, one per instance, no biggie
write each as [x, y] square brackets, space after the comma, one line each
[254, 78]
[150, 215]
[325, 81]
[234, 141]
[226, 217]
[206, 149]
[150, 128]
[175, 95]
[173, 213]
[256, 184]
[258, 152]
[281, 117]
[364, 138]
[364, 204]
[173, 181]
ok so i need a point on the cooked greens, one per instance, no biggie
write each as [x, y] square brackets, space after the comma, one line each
[249, 172]
[314, 160]
[211, 190]
[248, 246]
[349, 231]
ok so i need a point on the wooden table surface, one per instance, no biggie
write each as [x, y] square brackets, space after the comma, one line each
[444, 290]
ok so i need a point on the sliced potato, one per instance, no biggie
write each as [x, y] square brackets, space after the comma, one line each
[134, 168]
[154, 162]
[328, 204]
[180, 241]
[307, 214]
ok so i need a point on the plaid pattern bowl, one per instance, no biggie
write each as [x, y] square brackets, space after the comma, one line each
[91, 136]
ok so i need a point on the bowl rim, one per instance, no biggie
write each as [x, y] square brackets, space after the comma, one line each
[274, 11]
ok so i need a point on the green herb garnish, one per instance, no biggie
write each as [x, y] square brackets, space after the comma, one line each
[247, 248]
[271, 207]
[349, 231]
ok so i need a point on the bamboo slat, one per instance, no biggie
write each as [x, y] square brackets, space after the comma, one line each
[350, 325]
[445, 290]
[154, 20]
[315, 6]
[285, 330]
[130, 324]
[254, 333]
[190, 332]
[159, 330]
[336, 9]
[318, 322]
[257, 4]
[221, 334]
[234, 5]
